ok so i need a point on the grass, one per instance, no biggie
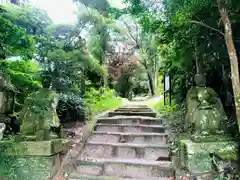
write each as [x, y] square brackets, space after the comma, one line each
[98, 101]
[160, 108]
[175, 118]
[106, 104]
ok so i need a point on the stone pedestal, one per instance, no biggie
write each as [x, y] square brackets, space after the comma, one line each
[29, 160]
[195, 157]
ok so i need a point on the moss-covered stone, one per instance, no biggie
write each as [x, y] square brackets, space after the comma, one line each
[196, 156]
[39, 115]
[31, 148]
[2, 128]
[192, 104]
[28, 160]
[205, 110]
[202, 137]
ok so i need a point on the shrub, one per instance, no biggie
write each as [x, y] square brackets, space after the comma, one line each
[100, 100]
[71, 107]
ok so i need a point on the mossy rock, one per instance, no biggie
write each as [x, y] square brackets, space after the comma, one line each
[39, 114]
[28, 160]
[196, 156]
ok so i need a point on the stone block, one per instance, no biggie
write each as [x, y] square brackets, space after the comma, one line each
[29, 160]
[195, 157]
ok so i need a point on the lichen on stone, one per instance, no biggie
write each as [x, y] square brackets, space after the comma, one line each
[39, 114]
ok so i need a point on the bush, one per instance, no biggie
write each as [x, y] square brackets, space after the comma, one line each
[71, 108]
[174, 114]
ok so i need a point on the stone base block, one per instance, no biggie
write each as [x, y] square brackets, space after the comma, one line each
[195, 157]
[29, 160]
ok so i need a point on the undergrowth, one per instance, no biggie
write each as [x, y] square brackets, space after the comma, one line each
[173, 114]
[97, 101]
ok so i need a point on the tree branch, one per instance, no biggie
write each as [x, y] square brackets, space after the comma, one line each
[129, 32]
[207, 26]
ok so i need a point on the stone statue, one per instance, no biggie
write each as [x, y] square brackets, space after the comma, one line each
[5, 85]
[7, 105]
[2, 128]
[206, 111]
[192, 104]
[38, 117]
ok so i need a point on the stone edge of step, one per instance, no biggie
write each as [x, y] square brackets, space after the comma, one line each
[76, 176]
[132, 125]
[131, 117]
[133, 145]
[129, 134]
[165, 165]
[133, 112]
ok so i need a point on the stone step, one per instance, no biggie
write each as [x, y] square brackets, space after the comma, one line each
[125, 150]
[115, 137]
[76, 176]
[131, 120]
[124, 168]
[134, 106]
[149, 114]
[133, 110]
[129, 128]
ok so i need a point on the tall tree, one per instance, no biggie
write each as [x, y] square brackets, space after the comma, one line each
[143, 43]
[100, 28]
[14, 44]
[228, 35]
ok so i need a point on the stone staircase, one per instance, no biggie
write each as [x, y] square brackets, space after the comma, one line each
[129, 144]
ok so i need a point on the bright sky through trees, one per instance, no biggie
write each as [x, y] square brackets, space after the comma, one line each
[60, 11]
[63, 11]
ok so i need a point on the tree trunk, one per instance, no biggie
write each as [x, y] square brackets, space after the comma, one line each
[82, 84]
[156, 81]
[150, 80]
[105, 76]
[232, 56]
[105, 73]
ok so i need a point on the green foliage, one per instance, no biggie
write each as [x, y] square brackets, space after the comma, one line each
[24, 76]
[65, 62]
[71, 107]
[188, 32]
[101, 100]
[174, 114]
[162, 109]
[65, 59]
[124, 85]
[33, 20]
[14, 40]
[100, 32]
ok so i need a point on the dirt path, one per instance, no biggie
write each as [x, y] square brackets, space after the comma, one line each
[129, 144]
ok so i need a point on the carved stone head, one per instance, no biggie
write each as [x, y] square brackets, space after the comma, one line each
[200, 80]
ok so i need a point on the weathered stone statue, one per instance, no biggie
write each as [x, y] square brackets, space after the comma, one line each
[206, 114]
[6, 103]
[192, 104]
[38, 116]
[2, 128]
[205, 110]
[30, 158]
